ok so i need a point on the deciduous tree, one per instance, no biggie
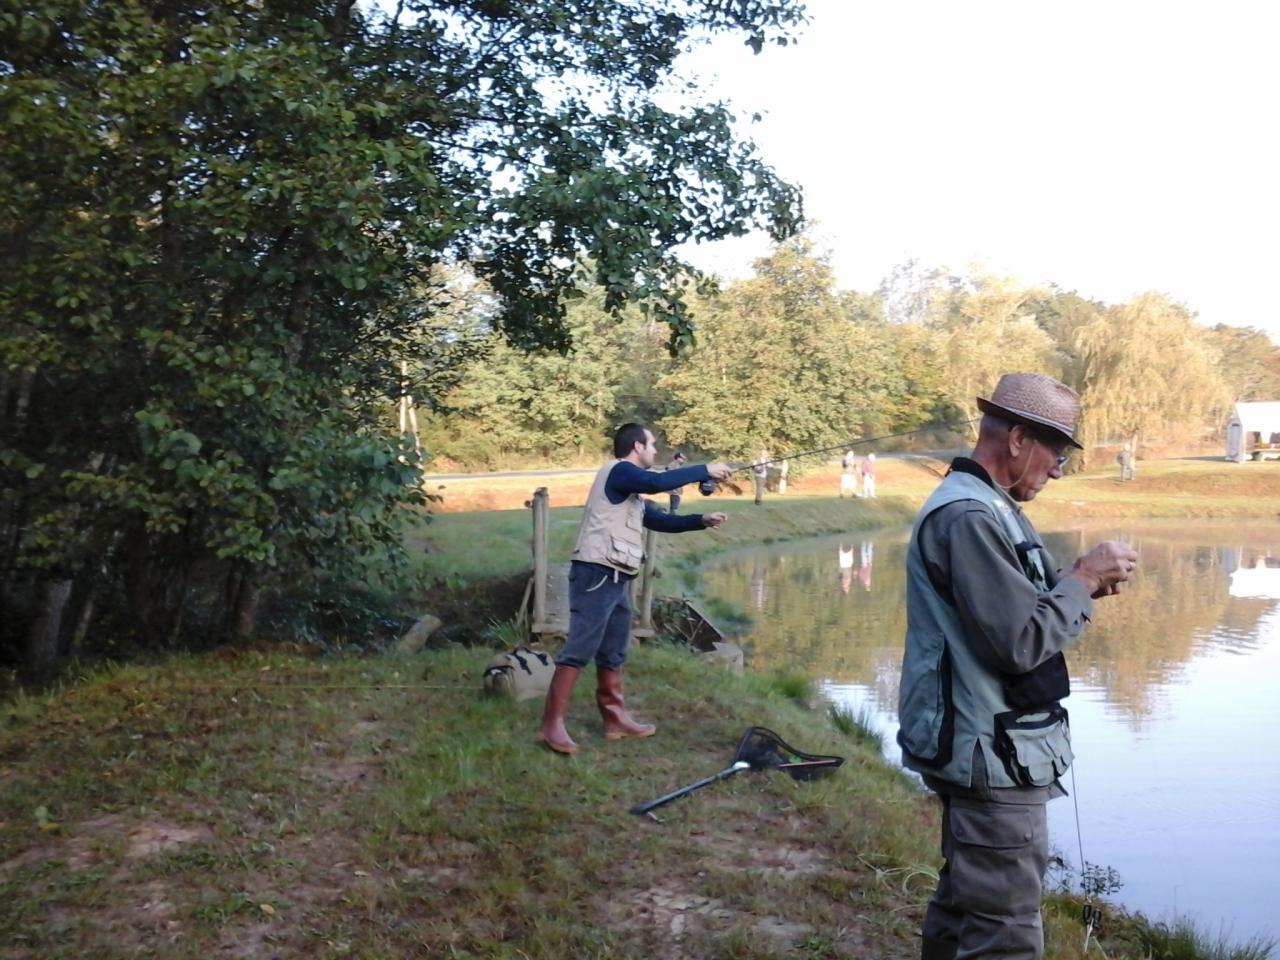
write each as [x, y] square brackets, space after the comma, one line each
[1148, 372]
[218, 222]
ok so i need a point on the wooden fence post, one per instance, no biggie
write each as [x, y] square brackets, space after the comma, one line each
[648, 575]
[541, 501]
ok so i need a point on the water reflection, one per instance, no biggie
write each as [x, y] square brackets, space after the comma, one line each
[1172, 708]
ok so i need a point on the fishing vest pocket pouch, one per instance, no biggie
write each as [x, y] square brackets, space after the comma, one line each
[925, 706]
[1035, 747]
[1046, 684]
[625, 554]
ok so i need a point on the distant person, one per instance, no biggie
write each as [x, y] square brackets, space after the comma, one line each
[783, 467]
[1125, 459]
[988, 616]
[760, 473]
[608, 555]
[849, 474]
[869, 475]
[674, 497]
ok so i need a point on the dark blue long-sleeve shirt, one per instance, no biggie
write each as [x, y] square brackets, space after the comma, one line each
[626, 478]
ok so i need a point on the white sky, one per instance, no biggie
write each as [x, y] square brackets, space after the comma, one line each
[1110, 147]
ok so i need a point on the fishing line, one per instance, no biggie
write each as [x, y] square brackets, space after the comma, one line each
[1091, 915]
[854, 443]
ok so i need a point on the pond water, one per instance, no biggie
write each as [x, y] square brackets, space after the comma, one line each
[1174, 711]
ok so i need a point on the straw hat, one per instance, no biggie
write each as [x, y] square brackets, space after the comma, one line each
[1036, 400]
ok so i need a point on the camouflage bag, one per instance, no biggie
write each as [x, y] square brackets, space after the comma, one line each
[522, 674]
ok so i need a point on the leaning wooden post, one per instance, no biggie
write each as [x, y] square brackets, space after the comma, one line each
[540, 504]
[649, 575]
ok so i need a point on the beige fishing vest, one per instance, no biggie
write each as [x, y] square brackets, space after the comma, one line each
[611, 534]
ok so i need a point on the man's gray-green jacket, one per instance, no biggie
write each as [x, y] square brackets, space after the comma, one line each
[987, 619]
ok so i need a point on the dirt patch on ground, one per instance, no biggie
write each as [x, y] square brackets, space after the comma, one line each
[148, 839]
[668, 911]
[675, 922]
[83, 845]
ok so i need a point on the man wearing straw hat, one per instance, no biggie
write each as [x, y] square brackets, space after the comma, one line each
[988, 615]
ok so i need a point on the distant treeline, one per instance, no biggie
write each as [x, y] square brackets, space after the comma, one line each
[788, 362]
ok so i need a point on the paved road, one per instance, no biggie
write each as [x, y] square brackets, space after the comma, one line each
[590, 471]
[513, 474]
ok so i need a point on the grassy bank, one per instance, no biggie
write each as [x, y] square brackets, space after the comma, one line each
[265, 805]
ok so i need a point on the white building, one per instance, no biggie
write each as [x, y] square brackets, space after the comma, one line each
[1253, 431]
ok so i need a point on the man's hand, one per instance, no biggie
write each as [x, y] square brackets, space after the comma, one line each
[719, 471]
[713, 519]
[1105, 567]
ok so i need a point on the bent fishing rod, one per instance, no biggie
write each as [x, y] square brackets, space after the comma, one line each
[707, 487]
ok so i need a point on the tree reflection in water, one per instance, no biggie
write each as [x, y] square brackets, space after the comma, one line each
[817, 607]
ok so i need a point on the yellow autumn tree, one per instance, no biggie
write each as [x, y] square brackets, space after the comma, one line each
[1149, 372]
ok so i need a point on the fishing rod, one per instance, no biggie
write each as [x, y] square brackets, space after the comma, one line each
[708, 487]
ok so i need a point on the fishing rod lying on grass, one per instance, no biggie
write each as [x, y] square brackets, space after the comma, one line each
[759, 749]
[708, 487]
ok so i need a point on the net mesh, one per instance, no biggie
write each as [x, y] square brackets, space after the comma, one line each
[765, 750]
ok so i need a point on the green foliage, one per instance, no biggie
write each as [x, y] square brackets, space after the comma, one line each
[547, 403]
[785, 363]
[1181, 940]
[507, 634]
[859, 727]
[787, 684]
[223, 228]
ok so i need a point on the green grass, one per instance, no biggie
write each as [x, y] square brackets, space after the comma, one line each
[1181, 940]
[275, 805]
[859, 727]
[384, 808]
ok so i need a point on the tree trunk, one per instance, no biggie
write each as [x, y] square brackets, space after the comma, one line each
[44, 637]
[245, 614]
[84, 620]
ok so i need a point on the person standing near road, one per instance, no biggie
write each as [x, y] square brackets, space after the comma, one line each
[760, 474]
[1125, 459]
[849, 474]
[607, 557]
[674, 496]
[983, 676]
[869, 475]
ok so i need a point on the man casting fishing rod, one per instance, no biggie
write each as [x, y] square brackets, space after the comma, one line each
[608, 555]
[988, 615]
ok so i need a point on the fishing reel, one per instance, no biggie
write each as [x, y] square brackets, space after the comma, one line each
[707, 487]
[1092, 918]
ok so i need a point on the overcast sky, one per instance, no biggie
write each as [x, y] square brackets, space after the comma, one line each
[1108, 147]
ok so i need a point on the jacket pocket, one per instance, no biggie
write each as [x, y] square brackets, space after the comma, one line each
[925, 709]
[1035, 747]
[625, 554]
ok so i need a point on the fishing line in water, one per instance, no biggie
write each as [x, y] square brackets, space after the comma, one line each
[1090, 915]
[839, 446]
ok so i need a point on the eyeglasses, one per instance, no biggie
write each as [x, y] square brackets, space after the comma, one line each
[1052, 447]
[1062, 458]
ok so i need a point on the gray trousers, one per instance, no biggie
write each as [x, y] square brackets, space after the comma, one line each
[988, 899]
[599, 617]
